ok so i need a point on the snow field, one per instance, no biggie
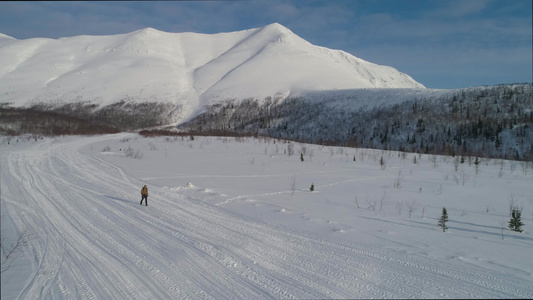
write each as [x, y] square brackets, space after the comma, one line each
[234, 218]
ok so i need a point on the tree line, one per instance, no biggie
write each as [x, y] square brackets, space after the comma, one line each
[494, 121]
[85, 118]
[491, 121]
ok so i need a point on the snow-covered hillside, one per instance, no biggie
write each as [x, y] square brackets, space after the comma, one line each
[234, 218]
[188, 69]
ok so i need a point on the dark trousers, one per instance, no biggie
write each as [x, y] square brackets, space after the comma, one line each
[145, 197]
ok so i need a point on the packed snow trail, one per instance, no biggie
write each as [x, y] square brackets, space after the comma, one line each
[92, 240]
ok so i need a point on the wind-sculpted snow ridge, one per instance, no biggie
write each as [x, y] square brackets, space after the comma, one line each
[187, 69]
[92, 240]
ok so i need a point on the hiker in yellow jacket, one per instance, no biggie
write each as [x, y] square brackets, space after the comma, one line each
[144, 194]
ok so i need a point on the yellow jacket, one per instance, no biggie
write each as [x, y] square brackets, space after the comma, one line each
[144, 191]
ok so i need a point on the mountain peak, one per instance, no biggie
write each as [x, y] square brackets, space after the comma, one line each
[277, 26]
[279, 29]
[148, 31]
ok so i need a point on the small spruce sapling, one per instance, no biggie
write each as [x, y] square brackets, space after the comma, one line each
[443, 219]
[515, 223]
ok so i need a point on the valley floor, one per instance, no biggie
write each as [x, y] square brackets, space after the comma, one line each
[233, 218]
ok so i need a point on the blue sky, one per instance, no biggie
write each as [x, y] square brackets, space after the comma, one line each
[441, 44]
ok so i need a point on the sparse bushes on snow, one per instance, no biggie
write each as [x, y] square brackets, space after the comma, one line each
[399, 173]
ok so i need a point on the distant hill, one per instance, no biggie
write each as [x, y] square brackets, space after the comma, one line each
[491, 121]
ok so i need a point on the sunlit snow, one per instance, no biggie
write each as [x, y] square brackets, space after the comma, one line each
[234, 218]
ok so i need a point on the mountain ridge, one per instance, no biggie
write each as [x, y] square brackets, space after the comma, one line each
[189, 70]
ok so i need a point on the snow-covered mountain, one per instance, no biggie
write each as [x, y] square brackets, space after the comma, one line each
[190, 70]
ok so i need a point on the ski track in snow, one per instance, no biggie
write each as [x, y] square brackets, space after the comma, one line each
[296, 190]
[92, 240]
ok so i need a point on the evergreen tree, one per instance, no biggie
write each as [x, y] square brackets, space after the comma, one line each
[443, 219]
[515, 223]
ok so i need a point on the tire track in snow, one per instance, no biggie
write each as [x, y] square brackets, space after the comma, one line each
[394, 266]
[49, 217]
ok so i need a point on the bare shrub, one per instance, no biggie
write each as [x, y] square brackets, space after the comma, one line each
[502, 226]
[525, 166]
[439, 190]
[456, 163]
[293, 184]
[130, 153]
[381, 200]
[399, 205]
[464, 176]
[433, 160]
[303, 149]
[399, 180]
[455, 179]
[10, 250]
[403, 155]
[411, 206]
[290, 149]
[371, 204]
[512, 166]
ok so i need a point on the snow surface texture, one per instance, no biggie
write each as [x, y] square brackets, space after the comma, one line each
[188, 69]
[233, 218]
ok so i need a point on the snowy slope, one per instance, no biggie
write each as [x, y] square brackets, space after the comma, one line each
[188, 69]
[232, 218]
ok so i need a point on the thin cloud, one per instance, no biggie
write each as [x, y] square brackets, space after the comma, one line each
[458, 8]
[419, 37]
